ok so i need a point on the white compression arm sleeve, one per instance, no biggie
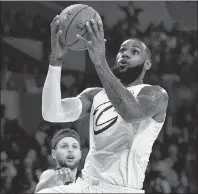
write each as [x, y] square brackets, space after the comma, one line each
[53, 108]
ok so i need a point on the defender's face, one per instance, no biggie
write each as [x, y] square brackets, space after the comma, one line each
[68, 153]
[131, 54]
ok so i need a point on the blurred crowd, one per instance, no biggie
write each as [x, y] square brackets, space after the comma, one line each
[172, 167]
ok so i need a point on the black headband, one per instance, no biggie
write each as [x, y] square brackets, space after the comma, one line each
[55, 140]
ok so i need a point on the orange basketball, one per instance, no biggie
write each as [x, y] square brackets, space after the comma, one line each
[72, 22]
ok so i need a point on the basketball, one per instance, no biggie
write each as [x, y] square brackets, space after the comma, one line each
[72, 22]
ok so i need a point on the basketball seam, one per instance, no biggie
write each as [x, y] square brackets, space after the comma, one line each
[83, 33]
[71, 23]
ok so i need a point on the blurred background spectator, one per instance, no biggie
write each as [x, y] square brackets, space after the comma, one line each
[26, 153]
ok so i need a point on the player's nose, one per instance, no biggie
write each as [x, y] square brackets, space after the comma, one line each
[125, 55]
[70, 149]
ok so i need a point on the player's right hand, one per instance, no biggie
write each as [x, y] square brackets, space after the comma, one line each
[96, 44]
[58, 49]
[64, 175]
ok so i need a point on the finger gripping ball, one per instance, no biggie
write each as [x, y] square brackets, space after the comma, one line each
[72, 22]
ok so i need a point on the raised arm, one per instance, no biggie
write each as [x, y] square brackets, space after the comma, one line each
[55, 109]
[151, 102]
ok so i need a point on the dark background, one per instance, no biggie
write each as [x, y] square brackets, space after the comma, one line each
[25, 46]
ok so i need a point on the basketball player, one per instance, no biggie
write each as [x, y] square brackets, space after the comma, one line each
[66, 151]
[126, 115]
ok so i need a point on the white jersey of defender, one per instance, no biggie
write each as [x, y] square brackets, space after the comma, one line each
[119, 151]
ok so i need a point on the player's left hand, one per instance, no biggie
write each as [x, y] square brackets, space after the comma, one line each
[96, 44]
[57, 47]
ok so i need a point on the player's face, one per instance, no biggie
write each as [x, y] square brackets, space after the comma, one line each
[67, 152]
[131, 54]
[130, 61]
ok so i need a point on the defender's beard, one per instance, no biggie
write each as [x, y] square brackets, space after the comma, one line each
[130, 75]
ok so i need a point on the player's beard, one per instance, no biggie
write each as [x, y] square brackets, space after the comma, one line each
[130, 75]
[63, 163]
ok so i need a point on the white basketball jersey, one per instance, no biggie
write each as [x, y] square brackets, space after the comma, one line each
[119, 151]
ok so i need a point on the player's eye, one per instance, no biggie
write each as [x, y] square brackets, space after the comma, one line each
[122, 50]
[135, 52]
[75, 146]
[64, 146]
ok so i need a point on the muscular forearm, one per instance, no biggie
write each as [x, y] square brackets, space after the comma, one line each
[54, 109]
[149, 101]
[119, 96]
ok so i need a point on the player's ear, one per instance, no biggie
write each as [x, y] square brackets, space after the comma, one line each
[148, 64]
[53, 154]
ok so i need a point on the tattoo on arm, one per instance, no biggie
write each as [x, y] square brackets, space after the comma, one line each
[152, 100]
[116, 92]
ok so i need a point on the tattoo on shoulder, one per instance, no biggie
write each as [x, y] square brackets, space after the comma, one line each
[152, 96]
[160, 94]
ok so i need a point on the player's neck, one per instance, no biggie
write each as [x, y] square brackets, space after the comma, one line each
[74, 173]
[136, 82]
